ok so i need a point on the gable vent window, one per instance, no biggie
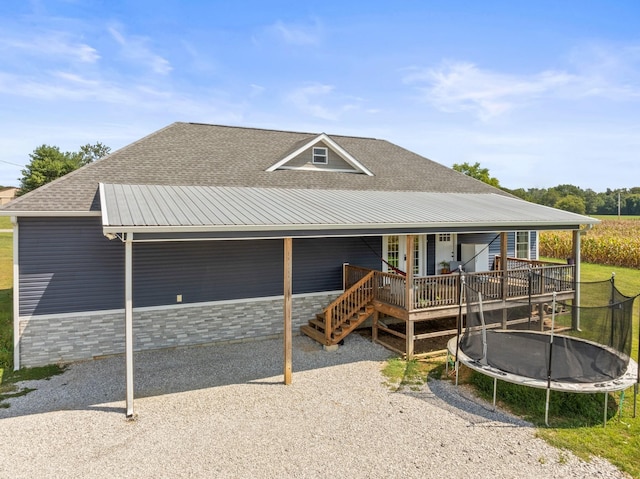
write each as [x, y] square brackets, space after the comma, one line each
[320, 155]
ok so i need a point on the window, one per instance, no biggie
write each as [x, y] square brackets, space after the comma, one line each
[393, 253]
[444, 237]
[522, 244]
[320, 155]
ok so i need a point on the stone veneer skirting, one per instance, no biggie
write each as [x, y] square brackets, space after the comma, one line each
[63, 338]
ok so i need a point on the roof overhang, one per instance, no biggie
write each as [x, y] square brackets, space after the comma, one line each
[174, 213]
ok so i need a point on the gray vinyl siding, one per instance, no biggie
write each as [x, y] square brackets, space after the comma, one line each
[67, 265]
[317, 263]
[431, 254]
[493, 239]
[223, 270]
[533, 245]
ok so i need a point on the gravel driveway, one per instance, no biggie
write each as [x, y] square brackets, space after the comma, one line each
[222, 411]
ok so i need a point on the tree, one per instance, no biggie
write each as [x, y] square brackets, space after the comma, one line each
[89, 153]
[475, 171]
[572, 203]
[49, 163]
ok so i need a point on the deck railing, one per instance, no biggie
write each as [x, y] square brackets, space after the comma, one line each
[357, 296]
[444, 290]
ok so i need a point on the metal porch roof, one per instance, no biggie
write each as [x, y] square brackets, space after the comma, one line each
[208, 209]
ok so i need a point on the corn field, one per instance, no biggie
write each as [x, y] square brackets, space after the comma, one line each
[612, 243]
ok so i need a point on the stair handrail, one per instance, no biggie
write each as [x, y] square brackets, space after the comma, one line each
[328, 311]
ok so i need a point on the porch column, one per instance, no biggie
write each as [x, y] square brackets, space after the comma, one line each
[505, 267]
[288, 247]
[408, 297]
[128, 319]
[575, 317]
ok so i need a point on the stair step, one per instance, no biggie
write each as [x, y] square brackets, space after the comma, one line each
[314, 334]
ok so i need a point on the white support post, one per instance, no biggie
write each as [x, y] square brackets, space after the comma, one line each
[128, 320]
[288, 260]
[16, 295]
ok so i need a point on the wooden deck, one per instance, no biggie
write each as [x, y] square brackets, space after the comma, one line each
[387, 297]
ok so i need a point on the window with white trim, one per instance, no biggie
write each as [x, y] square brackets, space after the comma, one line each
[320, 155]
[522, 244]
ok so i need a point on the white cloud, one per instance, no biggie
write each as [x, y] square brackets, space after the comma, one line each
[56, 44]
[307, 98]
[135, 49]
[314, 100]
[298, 34]
[462, 86]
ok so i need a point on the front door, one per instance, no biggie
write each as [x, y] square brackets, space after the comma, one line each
[445, 250]
[395, 254]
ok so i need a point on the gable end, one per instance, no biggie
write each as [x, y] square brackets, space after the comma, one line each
[321, 154]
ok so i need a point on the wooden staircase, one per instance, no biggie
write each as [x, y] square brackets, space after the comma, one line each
[342, 316]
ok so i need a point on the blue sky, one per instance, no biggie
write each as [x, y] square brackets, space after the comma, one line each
[541, 93]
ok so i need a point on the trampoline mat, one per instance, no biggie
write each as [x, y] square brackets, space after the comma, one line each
[526, 353]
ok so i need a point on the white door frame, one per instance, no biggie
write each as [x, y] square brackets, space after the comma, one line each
[400, 244]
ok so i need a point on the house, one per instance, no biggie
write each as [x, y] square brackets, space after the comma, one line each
[7, 194]
[202, 233]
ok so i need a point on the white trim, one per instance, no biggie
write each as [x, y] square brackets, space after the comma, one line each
[16, 294]
[314, 155]
[334, 146]
[48, 213]
[103, 203]
[515, 244]
[83, 314]
[490, 226]
[311, 168]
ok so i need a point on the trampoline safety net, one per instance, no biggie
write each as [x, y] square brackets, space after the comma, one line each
[589, 342]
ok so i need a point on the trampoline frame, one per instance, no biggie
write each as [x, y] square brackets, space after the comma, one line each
[630, 377]
[625, 381]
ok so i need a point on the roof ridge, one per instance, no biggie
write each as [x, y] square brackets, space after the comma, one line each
[257, 128]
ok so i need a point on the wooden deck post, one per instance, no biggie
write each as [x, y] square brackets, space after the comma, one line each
[408, 298]
[505, 282]
[374, 327]
[287, 310]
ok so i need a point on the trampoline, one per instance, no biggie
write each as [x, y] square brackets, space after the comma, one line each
[585, 349]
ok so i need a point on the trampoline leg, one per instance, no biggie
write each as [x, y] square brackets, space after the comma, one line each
[635, 398]
[495, 386]
[546, 408]
[457, 366]
[446, 365]
[606, 398]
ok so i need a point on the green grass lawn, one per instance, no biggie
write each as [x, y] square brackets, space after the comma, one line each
[6, 305]
[5, 223]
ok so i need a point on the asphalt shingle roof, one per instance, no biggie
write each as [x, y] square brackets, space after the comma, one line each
[190, 154]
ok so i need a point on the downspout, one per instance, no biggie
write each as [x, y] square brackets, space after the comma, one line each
[16, 295]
